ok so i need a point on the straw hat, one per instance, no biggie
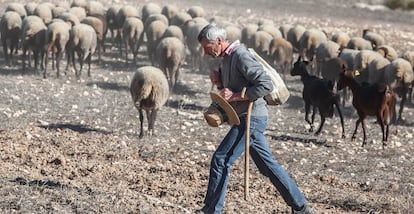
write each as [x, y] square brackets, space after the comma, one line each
[220, 111]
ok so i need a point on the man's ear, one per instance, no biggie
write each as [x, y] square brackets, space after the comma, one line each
[219, 40]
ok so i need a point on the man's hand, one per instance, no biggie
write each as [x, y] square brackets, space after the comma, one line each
[215, 79]
[230, 96]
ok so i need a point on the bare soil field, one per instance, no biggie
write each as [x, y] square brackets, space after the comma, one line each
[72, 146]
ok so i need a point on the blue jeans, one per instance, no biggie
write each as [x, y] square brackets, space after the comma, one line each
[232, 146]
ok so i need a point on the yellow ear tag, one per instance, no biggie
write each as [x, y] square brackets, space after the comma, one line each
[356, 73]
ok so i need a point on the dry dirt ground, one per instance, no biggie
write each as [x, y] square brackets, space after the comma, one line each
[69, 146]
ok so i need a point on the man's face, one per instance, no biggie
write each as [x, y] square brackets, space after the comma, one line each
[211, 48]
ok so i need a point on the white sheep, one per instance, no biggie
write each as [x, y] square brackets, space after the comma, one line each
[149, 9]
[260, 42]
[170, 55]
[349, 55]
[247, 33]
[309, 41]
[83, 41]
[375, 38]
[388, 52]
[79, 12]
[18, 8]
[196, 11]
[57, 37]
[196, 52]
[180, 19]
[233, 33]
[149, 91]
[111, 20]
[362, 60]
[341, 38]
[294, 35]
[359, 43]
[44, 11]
[98, 23]
[399, 74]
[154, 33]
[376, 69]
[169, 11]
[281, 55]
[95, 8]
[10, 29]
[271, 29]
[123, 13]
[30, 8]
[133, 31]
[284, 29]
[34, 39]
[174, 31]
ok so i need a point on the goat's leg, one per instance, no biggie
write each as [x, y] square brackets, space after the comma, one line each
[307, 110]
[313, 118]
[342, 119]
[141, 122]
[356, 129]
[321, 125]
[364, 141]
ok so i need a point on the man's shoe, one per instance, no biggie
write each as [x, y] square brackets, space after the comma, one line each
[306, 209]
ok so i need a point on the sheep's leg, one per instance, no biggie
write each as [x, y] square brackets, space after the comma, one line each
[36, 60]
[402, 103]
[151, 121]
[89, 60]
[141, 120]
[5, 51]
[58, 58]
[24, 58]
[126, 50]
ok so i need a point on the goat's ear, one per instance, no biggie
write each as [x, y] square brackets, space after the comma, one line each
[299, 58]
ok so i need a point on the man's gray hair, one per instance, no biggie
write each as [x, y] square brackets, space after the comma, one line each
[211, 32]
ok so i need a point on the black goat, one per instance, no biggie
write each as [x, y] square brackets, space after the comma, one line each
[317, 93]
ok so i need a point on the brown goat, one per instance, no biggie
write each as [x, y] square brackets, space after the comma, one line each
[370, 100]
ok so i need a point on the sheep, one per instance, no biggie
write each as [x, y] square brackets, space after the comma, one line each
[362, 60]
[370, 100]
[10, 29]
[294, 35]
[341, 38]
[57, 38]
[271, 29]
[133, 31]
[79, 12]
[284, 29]
[387, 52]
[18, 8]
[376, 69]
[196, 11]
[180, 19]
[348, 55]
[359, 43]
[196, 52]
[155, 17]
[170, 54]
[233, 33]
[154, 33]
[174, 31]
[33, 38]
[399, 75]
[325, 51]
[149, 9]
[375, 38]
[30, 8]
[247, 33]
[78, 3]
[69, 18]
[330, 69]
[318, 94]
[260, 42]
[83, 41]
[308, 44]
[123, 13]
[58, 11]
[111, 20]
[409, 56]
[149, 91]
[169, 11]
[98, 23]
[44, 12]
[95, 8]
[281, 55]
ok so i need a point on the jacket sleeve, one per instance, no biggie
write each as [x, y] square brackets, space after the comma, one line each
[260, 83]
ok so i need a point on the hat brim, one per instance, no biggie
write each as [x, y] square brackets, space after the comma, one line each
[233, 118]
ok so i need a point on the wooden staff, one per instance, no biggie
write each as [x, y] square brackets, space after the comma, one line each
[247, 145]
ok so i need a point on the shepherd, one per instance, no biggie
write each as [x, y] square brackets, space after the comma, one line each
[238, 70]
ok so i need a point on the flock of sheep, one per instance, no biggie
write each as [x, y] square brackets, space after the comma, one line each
[48, 30]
